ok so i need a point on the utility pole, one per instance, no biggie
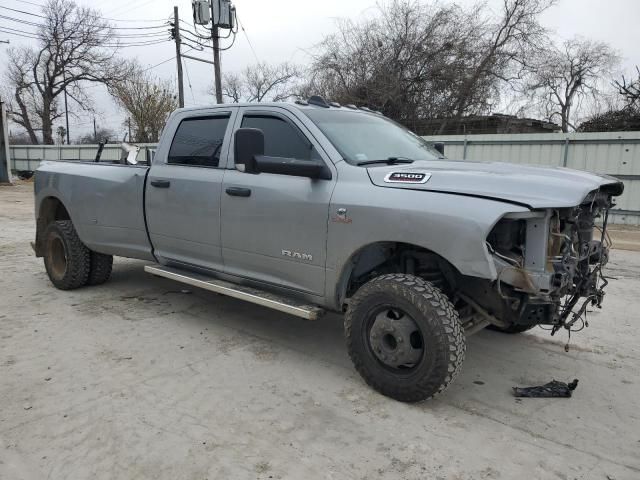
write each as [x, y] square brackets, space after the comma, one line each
[95, 132]
[129, 125]
[222, 16]
[216, 61]
[66, 108]
[5, 153]
[176, 36]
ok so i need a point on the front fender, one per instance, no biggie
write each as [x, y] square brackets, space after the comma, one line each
[452, 226]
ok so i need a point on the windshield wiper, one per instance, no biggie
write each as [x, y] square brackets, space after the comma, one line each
[388, 161]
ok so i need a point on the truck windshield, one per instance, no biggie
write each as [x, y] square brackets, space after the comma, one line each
[363, 137]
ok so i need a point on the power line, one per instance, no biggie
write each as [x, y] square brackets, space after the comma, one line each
[141, 44]
[33, 36]
[230, 45]
[106, 18]
[132, 7]
[18, 31]
[34, 24]
[23, 12]
[19, 20]
[143, 70]
[193, 97]
[165, 61]
[198, 38]
[17, 34]
[30, 3]
[248, 41]
[206, 36]
[141, 37]
[194, 40]
[130, 40]
[158, 64]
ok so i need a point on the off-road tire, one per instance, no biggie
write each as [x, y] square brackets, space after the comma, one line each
[100, 269]
[511, 329]
[66, 258]
[443, 337]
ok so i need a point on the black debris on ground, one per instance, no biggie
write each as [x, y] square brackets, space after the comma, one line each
[553, 389]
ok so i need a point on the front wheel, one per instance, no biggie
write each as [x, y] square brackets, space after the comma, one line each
[404, 337]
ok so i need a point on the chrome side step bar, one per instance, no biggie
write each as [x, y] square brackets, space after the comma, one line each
[248, 294]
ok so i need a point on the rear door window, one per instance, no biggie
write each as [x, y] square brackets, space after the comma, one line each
[198, 141]
[281, 138]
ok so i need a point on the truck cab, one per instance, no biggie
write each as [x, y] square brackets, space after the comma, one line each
[251, 226]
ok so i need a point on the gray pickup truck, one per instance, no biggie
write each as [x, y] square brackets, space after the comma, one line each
[310, 207]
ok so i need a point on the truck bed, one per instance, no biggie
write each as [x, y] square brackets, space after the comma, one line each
[105, 201]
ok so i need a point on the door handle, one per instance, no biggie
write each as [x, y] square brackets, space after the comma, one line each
[160, 183]
[238, 192]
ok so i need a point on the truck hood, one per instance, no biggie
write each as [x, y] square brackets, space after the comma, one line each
[528, 185]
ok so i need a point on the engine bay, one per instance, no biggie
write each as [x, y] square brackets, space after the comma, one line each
[550, 263]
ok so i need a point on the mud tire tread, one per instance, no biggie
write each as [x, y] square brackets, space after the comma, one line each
[438, 317]
[78, 256]
[100, 269]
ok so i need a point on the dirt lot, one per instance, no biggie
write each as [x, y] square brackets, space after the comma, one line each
[136, 379]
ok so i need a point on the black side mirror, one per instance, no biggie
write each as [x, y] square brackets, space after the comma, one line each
[249, 142]
[439, 146]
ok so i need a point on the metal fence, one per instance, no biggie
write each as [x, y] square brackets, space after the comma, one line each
[28, 157]
[613, 153]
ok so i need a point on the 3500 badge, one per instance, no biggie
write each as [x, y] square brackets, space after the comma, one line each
[407, 177]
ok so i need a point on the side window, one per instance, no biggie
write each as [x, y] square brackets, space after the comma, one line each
[281, 139]
[198, 141]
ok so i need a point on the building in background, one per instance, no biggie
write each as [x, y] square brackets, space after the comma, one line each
[482, 124]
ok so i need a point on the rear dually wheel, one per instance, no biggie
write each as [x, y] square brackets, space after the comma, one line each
[66, 258]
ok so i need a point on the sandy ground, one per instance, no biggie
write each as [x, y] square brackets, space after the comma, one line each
[135, 379]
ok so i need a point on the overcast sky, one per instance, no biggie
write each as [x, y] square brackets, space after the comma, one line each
[281, 30]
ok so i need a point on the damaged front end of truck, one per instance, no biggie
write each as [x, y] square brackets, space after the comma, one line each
[549, 265]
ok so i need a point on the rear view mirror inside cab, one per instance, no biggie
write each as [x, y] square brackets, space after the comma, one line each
[249, 142]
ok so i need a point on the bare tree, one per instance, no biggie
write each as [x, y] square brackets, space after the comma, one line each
[630, 90]
[75, 46]
[148, 101]
[505, 47]
[563, 77]
[262, 82]
[61, 133]
[19, 139]
[101, 134]
[624, 119]
[622, 113]
[406, 61]
[270, 82]
[416, 61]
[232, 87]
